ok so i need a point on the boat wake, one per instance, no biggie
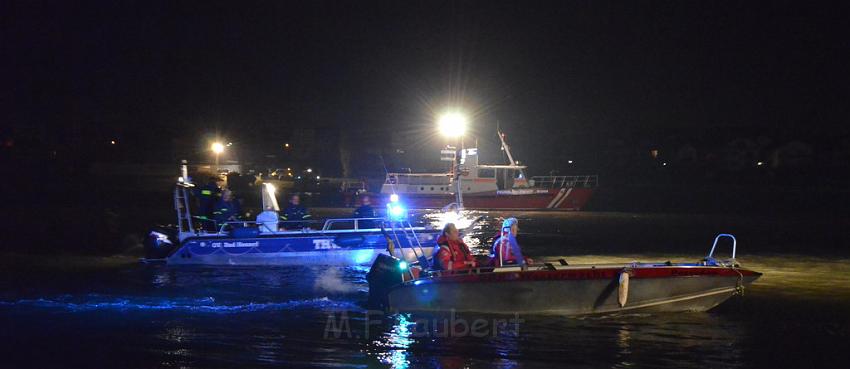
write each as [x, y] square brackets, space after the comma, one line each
[201, 305]
[331, 281]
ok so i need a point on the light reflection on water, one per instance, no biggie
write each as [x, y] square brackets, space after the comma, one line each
[392, 345]
[794, 316]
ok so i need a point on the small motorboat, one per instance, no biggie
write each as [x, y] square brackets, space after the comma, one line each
[338, 241]
[560, 288]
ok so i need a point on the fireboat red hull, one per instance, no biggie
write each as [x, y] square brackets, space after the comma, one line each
[572, 198]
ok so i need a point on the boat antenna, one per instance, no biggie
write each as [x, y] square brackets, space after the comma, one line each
[386, 172]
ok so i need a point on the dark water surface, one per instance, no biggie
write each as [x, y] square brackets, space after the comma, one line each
[99, 312]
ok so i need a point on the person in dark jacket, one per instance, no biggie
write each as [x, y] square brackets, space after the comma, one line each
[365, 211]
[227, 209]
[295, 215]
[453, 254]
[207, 195]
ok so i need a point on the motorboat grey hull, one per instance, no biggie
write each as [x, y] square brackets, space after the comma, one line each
[574, 291]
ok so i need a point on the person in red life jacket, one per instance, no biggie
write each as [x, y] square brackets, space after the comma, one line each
[453, 254]
[506, 250]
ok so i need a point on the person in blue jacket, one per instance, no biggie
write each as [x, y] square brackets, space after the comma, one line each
[294, 215]
[227, 209]
[506, 250]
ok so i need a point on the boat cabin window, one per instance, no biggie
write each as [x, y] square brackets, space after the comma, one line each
[486, 173]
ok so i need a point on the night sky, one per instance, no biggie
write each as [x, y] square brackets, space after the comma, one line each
[564, 79]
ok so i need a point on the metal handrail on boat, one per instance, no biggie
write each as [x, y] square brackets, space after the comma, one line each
[710, 260]
[417, 178]
[327, 225]
[734, 244]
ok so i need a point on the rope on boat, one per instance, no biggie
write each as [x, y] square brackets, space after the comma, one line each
[739, 284]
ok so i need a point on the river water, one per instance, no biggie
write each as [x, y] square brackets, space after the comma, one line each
[97, 312]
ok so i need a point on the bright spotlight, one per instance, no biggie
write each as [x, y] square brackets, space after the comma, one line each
[396, 212]
[217, 147]
[452, 124]
[394, 198]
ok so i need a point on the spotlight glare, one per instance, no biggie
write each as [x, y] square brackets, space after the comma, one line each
[452, 124]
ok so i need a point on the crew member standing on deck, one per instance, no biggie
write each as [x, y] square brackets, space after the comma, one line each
[365, 210]
[208, 195]
[295, 214]
[227, 209]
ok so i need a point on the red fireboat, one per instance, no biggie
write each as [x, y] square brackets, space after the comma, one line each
[472, 185]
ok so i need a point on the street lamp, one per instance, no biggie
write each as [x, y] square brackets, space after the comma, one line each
[217, 148]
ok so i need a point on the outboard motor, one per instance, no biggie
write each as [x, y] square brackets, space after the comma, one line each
[385, 273]
[160, 242]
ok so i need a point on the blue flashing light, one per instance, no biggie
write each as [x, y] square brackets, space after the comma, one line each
[396, 211]
[402, 265]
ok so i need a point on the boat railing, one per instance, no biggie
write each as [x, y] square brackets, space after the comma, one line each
[586, 181]
[714, 245]
[553, 266]
[305, 226]
[404, 226]
[357, 223]
[417, 178]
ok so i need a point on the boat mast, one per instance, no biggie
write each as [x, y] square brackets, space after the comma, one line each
[459, 161]
[507, 149]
